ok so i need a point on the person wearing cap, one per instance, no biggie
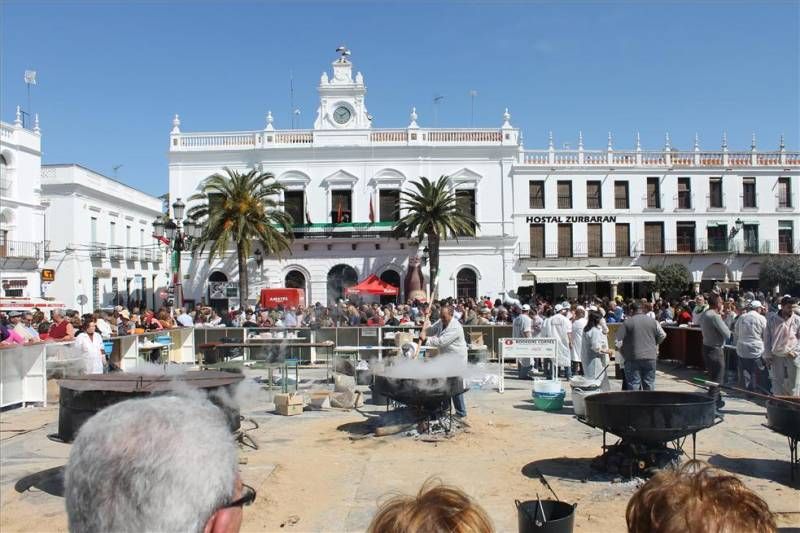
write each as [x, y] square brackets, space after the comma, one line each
[782, 348]
[485, 316]
[126, 325]
[750, 348]
[15, 323]
[559, 328]
[576, 348]
[26, 325]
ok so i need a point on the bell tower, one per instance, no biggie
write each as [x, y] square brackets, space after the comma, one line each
[341, 97]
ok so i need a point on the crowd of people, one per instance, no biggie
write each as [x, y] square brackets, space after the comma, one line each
[141, 486]
[764, 331]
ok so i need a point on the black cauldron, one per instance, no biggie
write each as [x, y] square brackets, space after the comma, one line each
[650, 416]
[783, 418]
[424, 393]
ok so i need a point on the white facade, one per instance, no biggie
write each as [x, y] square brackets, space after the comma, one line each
[21, 211]
[345, 153]
[101, 243]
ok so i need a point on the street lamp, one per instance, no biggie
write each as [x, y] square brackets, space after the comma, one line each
[177, 234]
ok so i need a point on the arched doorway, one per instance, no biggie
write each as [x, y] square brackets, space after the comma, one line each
[750, 277]
[466, 283]
[714, 274]
[392, 277]
[339, 278]
[295, 279]
[217, 285]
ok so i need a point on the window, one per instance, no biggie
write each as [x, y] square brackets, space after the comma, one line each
[127, 237]
[341, 206]
[112, 233]
[717, 237]
[622, 234]
[537, 240]
[564, 194]
[684, 193]
[595, 236]
[96, 293]
[389, 200]
[294, 203]
[565, 240]
[749, 200]
[750, 238]
[784, 193]
[141, 237]
[654, 237]
[536, 194]
[115, 298]
[93, 229]
[653, 193]
[465, 200]
[685, 232]
[715, 193]
[621, 200]
[594, 195]
[785, 236]
[3, 242]
[466, 283]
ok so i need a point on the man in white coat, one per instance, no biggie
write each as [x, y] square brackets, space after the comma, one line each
[447, 336]
[560, 328]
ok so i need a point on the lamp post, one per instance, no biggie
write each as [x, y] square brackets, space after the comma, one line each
[177, 234]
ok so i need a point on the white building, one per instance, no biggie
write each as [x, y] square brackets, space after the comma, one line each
[21, 211]
[344, 165]
[101, 244]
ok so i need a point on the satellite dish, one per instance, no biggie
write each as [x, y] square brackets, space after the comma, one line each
[82, 299]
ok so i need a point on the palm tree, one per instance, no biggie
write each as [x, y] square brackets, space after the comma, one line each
[432, 211]
[241, 208]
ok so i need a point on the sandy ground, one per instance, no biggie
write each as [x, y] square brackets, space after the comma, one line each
[312, 473]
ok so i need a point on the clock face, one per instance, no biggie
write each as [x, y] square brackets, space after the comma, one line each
[341, 115]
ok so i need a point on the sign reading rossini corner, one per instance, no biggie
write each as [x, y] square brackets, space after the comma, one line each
[571, 219]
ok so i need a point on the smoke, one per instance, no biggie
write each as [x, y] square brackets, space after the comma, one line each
[152, 369]
[479, 375]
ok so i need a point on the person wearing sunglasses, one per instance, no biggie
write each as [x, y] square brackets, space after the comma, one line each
[165, 463]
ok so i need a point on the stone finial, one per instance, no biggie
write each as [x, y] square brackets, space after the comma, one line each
[610, 142]
[413, 118]
[359, 79]
[667, 144]
[18, 118]
[725, 141]
[323, 80]
[782, 146]
[550, 145]
[580, 140]
[36, 123]
[753, 143]
[696, 142]
[638, 142]
[269, 126]
[176, 124]
[506, 119]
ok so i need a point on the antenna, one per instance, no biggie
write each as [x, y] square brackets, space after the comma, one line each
[115, 168]
[436, 100]
[472, 94]
[291, 99]
[30, 79]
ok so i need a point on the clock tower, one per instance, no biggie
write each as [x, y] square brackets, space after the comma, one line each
[341, 98]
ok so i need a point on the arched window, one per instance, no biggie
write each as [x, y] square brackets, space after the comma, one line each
[466, 283]
[339, 278]
[217, 285]
[295, 280]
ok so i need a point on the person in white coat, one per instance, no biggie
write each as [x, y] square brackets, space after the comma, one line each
[751, 368]
[560, 328]
[90, 344]
[447, 336]
[594, 349]
[576, 348]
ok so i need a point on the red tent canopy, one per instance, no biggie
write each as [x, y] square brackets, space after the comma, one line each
[373, 285]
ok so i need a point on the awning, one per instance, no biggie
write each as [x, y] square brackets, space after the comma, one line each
[560, 275]
[588, 275]
[373, 285]
[623, 274]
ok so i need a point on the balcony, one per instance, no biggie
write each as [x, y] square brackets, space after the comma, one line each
[565, 201]
[116, 253]
[684, 201]
[652, 202]
[784, 201]
[715, 246]
[97, 250]
[578, 250]
[21, 250]
[748, 201]
[621, 202]
[657, 158]
[133, 254]
[715, 202]
[359, 230]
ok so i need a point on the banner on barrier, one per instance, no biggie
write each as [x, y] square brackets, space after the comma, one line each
[523, 347]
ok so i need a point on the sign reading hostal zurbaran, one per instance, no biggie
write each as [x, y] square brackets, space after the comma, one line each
[571, 219]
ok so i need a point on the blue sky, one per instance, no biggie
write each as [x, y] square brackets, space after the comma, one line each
[112, 74]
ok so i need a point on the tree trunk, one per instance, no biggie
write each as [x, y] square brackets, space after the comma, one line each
[433, 252]
[242, 260]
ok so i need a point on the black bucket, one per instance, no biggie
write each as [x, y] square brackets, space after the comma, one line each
[560, 516]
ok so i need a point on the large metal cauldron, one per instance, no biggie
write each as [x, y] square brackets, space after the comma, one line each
[429, 393]
[84, 396]
[650, 416]
[784, 419]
